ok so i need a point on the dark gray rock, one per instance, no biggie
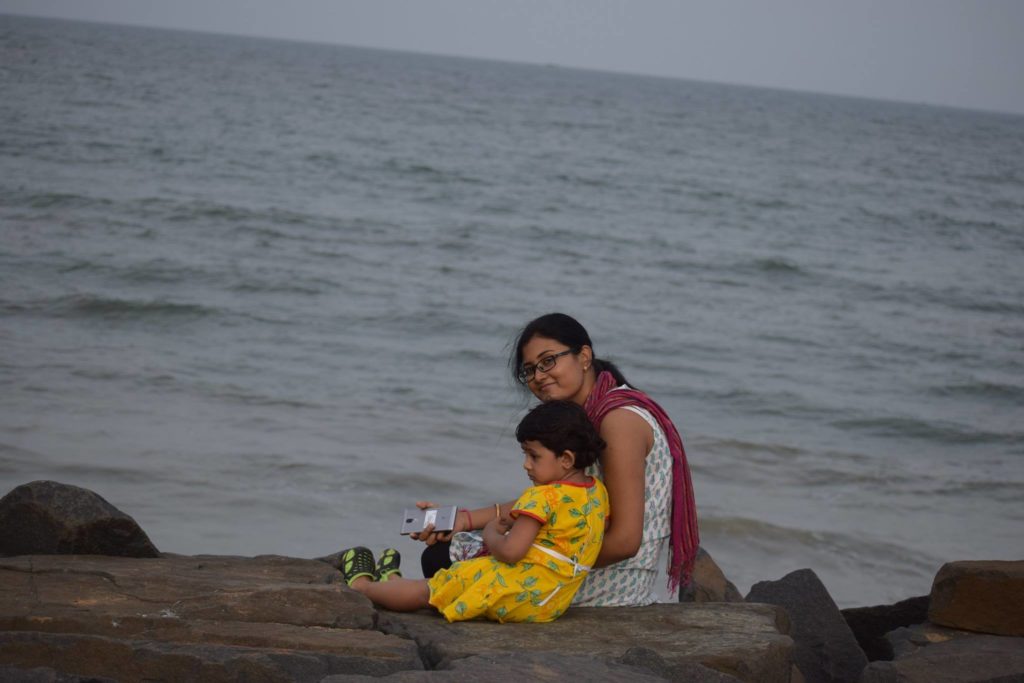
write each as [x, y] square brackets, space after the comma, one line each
[825, 649]
[870, 624]
[47, 518]
[708, 583]
[523, 666]
[974, 659]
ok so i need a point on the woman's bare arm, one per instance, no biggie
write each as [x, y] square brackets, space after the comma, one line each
[629, 438]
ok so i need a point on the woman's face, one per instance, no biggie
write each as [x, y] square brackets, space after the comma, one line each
[567, 380]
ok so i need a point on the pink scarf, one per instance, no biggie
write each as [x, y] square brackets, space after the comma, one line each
[685, 538]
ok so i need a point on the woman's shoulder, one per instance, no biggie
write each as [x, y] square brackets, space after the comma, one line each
[628, 421]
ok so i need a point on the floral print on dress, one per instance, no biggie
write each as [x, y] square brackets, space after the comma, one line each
[539, 587]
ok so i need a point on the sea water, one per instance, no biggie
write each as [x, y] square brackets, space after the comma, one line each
[260, 294]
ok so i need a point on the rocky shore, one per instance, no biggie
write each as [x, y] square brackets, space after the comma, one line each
[85, 596]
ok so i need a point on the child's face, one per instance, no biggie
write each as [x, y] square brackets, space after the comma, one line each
[543, 465]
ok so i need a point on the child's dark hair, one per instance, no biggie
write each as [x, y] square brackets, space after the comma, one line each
[562, 426]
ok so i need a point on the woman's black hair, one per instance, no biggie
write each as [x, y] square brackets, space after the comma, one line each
[565, 329]
[562, 426]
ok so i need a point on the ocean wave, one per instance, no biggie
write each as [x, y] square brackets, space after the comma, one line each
[14, 459]
[114, 308]
[990, 490]
[241, 395]
[100, 374]
[155, 271]
[63, 200]
[929, 430]
[783, 540]
[776, 265]
[766, 402]
[311, 288]
[999, 391]
[82, 473]
[424, 171]
[741, 446]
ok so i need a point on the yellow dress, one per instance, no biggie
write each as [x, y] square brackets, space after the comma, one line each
[541, 585]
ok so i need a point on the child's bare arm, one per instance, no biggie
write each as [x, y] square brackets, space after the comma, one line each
[511, 547]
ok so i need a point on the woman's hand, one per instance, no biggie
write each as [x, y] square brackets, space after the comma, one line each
[429, 536]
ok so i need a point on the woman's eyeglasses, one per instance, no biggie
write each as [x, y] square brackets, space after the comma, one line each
[527, 372]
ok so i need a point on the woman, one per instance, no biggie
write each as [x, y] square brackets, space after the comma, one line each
[643, 467]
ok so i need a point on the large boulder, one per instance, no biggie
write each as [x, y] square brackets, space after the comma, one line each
[47, 517]
[825, 649]
[190, 618]
[984, 596]
[741, 640]
[274, 618]
[708, 583]
[975, 659]
[870, 624]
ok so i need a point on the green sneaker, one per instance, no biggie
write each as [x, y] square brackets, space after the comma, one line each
[356, 562]
[388, 564]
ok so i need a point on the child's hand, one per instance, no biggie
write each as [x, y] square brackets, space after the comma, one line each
[501, 525]
[504, 524]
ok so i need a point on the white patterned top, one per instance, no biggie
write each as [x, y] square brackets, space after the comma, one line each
[631, 582]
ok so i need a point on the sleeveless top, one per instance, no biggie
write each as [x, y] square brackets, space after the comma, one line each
[631, 582]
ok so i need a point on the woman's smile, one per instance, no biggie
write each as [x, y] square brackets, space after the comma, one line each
[564, 376]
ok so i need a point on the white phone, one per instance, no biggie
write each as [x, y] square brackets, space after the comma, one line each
[415, 519]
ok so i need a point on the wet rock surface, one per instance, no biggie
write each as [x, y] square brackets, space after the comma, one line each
[271, 618]
[745, 641]
[190, 618]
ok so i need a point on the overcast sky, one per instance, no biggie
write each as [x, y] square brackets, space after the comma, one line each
[956, 52]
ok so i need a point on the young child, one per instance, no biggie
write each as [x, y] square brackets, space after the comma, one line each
[538, 558]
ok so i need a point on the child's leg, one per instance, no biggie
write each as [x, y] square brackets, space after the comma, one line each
[397, 594]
